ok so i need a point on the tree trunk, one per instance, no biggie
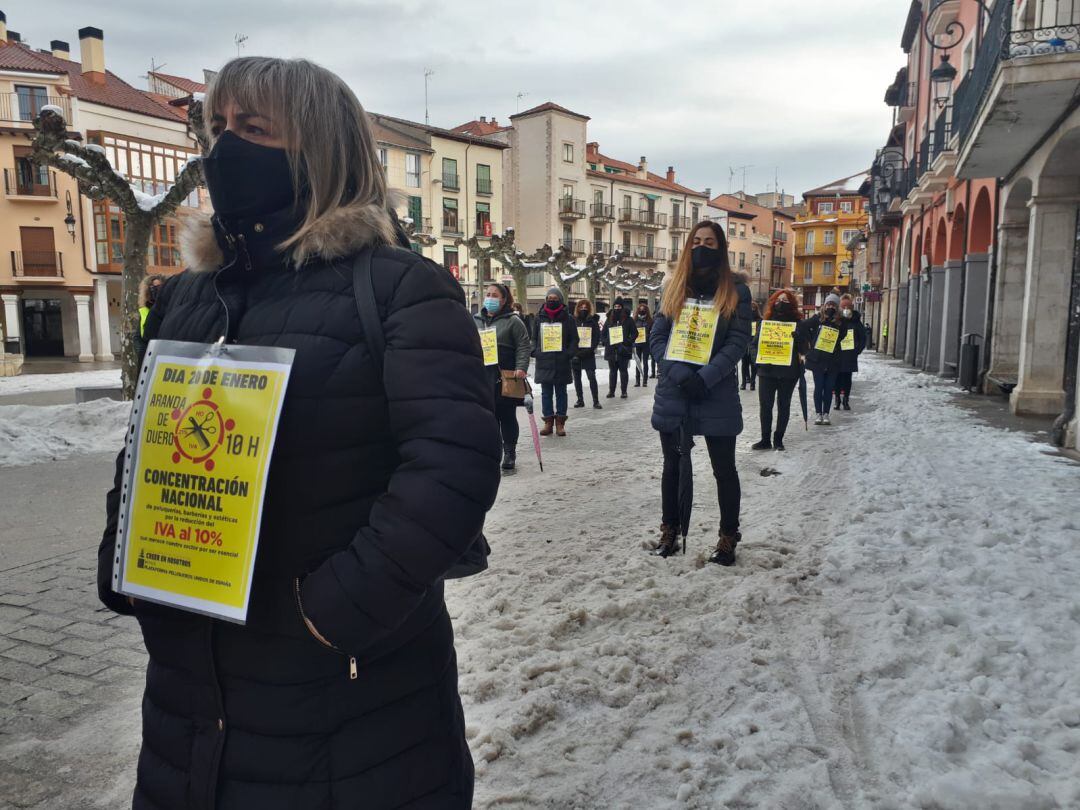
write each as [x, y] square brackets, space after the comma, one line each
[564, 288]
[590, 289]
[136, 245]
[521, 287]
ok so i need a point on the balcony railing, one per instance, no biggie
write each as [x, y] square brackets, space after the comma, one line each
[15, 185]
[37, 264]
[483, 185]
[675, 253]
[1045, 41]
[451, 182]
[570, 208]
[644, 253]
[24, 108]
[942, 133]
[452, 226]
[642, 218]
[780, 236]
[779, 263]
[602, 212]
[574, 246]
[815, 250]
[422, 225]
[606, 248]
[680, 223]
[976, 84]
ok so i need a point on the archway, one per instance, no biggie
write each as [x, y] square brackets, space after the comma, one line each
[981, 233]
[956, 234]
[941, 243]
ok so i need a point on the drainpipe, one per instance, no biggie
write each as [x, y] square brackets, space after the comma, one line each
[1072, 349]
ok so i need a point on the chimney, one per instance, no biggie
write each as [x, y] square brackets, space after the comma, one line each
[708, 193]
[3, 27]
[92, 53]
[671, 174]
[643, 169]
[483, 119]
[60, 49]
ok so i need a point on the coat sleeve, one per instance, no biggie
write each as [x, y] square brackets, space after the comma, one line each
[631, 334]
[860, 337]
[658, 338]
[570, 325]
[725, 361]
[522, 344]
[442, 421]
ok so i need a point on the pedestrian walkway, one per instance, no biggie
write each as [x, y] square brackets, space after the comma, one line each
[901, 628]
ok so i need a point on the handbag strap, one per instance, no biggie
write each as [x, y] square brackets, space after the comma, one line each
[370, 322]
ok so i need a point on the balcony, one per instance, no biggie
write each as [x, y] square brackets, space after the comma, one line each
[451, 226]
[451, 182]
[22, 108]
[780, 236]
[674, 257]
[643, 254]
[422, 225]
[779, 263]
[815, 250]
[679, 224]
[601, 212]
[19, 186]
[642, 218]
[483, 186]
[37, 264]
[569, 208]
[575, 247]
[604, 248]
[942, 150]
[1022, 82]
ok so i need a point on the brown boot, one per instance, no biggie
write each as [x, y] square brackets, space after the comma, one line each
[546, 430]
[669, 541]
[560, 425]
[725, 548]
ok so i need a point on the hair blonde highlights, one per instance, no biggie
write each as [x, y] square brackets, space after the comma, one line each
[678, 286]
[326, 132]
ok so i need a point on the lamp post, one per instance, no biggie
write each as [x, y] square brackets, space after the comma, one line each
[69, 220]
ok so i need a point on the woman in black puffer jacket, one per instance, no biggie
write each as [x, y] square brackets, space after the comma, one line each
[777, 383]
[619, 350]
[703, 400]
[341, 690]
[584, 360]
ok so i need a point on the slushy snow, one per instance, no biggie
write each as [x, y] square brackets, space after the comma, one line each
[32, 434]
[901, 630]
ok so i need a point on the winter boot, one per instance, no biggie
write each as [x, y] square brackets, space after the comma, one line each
[509, 457]
[846, 404]
[579, 404]
[764, 444]
[837, 403]
[825, 419]
[778, 441]
[597, 406]
[549, 422]
[669, 541]
[560, 425]
[637, 379]
[724, 554]
[611, 394]
[819, 419]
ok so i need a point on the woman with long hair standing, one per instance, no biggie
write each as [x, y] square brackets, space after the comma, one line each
[618, 335]
[643, 319]
[513, 350]
[697, 340]
[588, 326]
[341, 688]
[776, 383]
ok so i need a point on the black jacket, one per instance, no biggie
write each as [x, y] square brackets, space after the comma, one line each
[849, 358]
[586, 353]
[554, 367]
[789, 372]
[375, 488]
[625, 349]
[817, 359]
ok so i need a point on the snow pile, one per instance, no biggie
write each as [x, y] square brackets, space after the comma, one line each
[51, 108]
[74, 159]
[902, 629]
[32, 383]
[147, 202]
[31, 434]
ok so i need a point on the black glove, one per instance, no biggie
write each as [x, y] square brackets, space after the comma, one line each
[694, 388]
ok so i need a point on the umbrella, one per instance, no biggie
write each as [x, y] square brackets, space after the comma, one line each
[802, 401]
[535, 431]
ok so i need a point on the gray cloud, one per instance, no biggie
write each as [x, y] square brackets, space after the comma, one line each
[703, 85]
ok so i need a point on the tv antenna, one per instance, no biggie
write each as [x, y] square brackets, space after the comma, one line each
[428, 73]
[154, 68]
[731, 175]
[520, 96]
[240, 39]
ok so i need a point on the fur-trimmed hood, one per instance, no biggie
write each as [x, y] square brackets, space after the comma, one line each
[340, 233]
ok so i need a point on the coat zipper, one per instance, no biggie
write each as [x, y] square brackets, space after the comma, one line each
[300, 609]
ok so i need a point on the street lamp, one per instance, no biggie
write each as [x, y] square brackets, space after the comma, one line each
[942, 78]
[69, 220]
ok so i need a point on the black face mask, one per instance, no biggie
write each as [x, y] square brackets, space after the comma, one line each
[245, 179]
[830, 313]
[706, 257]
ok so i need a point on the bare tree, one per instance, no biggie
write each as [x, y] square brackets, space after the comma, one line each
[51, 145]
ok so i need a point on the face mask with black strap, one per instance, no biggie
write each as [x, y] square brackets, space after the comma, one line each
[246, 179]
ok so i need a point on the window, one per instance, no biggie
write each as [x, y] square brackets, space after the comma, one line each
[731, 229]
[450, 260]
[412, 170]
[808, 271]
[810, 241]
[847, 206]
[483, 219]
[31, 100]
[384, 158]
[416, 213]
[676, 211]
[483, 268]
[742, 260]
[568, 153]
[567, 233]
[450, 216]
[598, 196]
[825, 208]
[695, 213]
[829, 237]
[742, 230]
[827, 268]
[598, 234]
[627, 203]
[731, 258]
[449, 174]
[567, 191]
[30, 178]
[483, 179]
[848, 235]
[626, 241]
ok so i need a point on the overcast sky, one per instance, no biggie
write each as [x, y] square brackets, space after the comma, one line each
[785, 86]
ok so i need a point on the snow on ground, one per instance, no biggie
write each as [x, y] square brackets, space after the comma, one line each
[32, 383]
[31, 434]
[901, 630]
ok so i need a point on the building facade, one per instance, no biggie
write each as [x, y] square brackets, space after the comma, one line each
[760, 243]
[833, 217]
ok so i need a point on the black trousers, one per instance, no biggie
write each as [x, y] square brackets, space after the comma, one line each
[778, 390]
[590, 372]
[728, 488]
[843, 385]
[618, 368]
[506, 413]
[749, 370]
[641, 365]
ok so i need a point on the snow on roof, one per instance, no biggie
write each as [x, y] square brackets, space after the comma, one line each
[845, 185]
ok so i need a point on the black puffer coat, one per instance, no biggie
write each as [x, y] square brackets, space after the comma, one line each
[586, 353]
[623, 350]
[817, 359]
[793, 370]
[376, 487]
[849, 358]
[554, 367]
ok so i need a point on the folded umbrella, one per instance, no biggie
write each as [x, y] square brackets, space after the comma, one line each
[802, 401]
[535, 430]
[686, 480]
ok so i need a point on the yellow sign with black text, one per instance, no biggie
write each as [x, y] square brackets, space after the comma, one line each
[615, 336]
[693, 333]
[826, 339]
[776, 343]
[584, 336]
[848, 343]
[490, 345]
[551, 337]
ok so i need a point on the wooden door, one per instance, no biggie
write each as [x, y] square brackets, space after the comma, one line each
[38, 252]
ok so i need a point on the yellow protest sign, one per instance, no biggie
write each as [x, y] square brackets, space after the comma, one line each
[640, 335]
[615, 335]
[692, 335]
[551, 337]
[826, 339]
[776, 344]
[490, 345]
[848, 343]
[584, 336]
[195, 469]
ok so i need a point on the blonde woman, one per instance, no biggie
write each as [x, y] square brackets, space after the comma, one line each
[698, 393]
[341, 689]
